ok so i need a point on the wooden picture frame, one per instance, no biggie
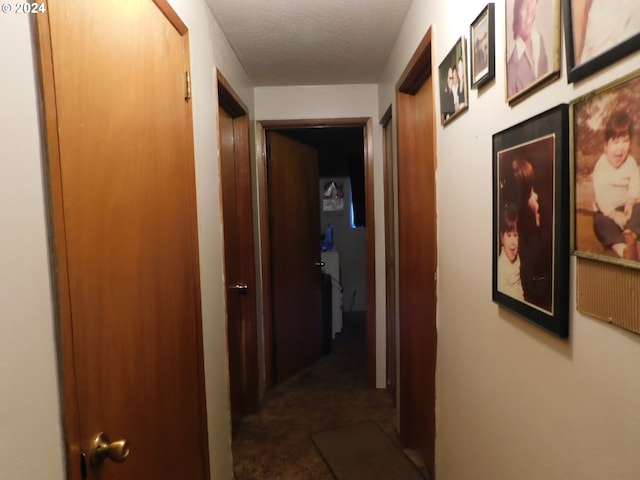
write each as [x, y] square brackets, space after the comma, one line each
[600, 172]
[599, 33]
[530, 208]
[454, 87]
[482, 47]
[537, 21]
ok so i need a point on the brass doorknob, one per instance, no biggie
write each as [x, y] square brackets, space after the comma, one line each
[101, 448]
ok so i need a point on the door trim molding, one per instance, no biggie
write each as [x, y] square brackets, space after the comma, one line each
[265, 245]
[390, 235]
[58, 248]
[230, 101]
[417, 332]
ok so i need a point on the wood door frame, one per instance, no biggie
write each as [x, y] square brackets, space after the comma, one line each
[58, 248]
[417, 335]
[263, 195]
[233, 104]
[390, 231]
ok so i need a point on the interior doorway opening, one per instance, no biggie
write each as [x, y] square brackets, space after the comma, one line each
[344, 150]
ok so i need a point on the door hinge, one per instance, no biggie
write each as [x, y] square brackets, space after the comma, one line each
[187, 92]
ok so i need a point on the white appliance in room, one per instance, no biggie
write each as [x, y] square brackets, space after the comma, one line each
[331, 267]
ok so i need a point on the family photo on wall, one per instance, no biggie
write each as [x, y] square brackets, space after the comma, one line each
[539, 181]
[482, 47]
[598, 33]
[454, 89]
[525, 222]
[606, 150]
[533, 45]
[530, 254]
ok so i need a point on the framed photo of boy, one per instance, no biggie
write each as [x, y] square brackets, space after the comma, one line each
[530, 231]
[532, 46]
[482, 46]
[599, 33]
[605, 151]
[454, 88]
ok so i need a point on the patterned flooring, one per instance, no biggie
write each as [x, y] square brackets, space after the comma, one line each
[276, 443]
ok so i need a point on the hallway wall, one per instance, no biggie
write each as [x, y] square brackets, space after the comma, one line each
[29, 404]
[29, 390]
[513, 402]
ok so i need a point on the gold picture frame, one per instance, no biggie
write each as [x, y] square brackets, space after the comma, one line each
[532, 46]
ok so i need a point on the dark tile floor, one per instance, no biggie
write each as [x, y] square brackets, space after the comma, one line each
[276, 443]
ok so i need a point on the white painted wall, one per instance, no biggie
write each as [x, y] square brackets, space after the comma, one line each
[30, 427]
[330, 102]
[210, 50]
[513, 402]
[30, 415]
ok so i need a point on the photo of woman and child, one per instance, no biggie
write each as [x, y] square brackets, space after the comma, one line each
[525, 223]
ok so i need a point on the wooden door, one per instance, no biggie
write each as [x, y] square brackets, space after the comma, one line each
[295, 254]
[235, 167]
[417, 254]
[390, 249]
[120, 148]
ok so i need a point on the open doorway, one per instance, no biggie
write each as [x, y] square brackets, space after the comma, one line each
[344, 164]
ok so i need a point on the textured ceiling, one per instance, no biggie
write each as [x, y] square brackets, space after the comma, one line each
[311, 42]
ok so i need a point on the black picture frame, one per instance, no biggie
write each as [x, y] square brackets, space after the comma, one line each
[482, 47]
[540, 266]
[544, 31]
[453, 105]
[589, 115]
[576, 24]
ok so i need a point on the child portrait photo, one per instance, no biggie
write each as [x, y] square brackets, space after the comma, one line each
[533, 45]
[606, 151]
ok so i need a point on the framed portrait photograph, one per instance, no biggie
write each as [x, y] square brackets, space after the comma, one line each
[332, 196]
[532, 46]
[530, 227]
[599, 33]
[482, 47]
[454, 88]
[605, 150]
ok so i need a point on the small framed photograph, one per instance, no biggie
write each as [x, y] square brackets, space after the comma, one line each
[482, 46]
[605, 150]
[532, 46]
[599, 33]
[454, 89]
[333, 196]
[530, 228]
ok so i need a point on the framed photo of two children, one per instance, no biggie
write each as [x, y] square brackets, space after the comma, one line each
[530, 212]
[605, 148]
